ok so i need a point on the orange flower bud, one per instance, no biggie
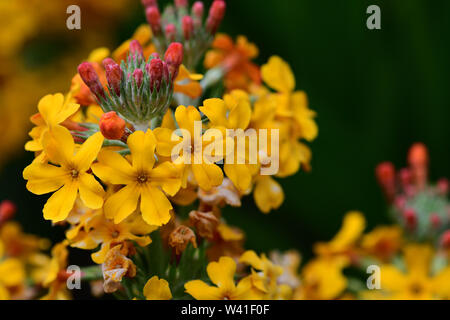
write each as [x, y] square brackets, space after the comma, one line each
[112, 126]
[90, 77]
[216, 14]
[180, 238]
[418, 155]
[205, 223]
[445, 240]
[174, 58]
[385, 173]
[7, 210]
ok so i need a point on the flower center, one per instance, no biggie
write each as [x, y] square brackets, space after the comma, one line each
[416, 288]
[74, 173]
[115, 234]
[142, 178]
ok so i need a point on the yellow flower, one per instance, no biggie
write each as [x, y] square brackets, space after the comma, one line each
[234, 112]
[221, 274]
[53, 110]
[270, 271]
[56, 275]
[418, 282]
[143, 181]
[100, 230]
[382, 242]
[268, 194]
[206, 174]
[187, 83]
[344, 242]
[322, 279]
[68, 179]
[157, 289]
[12, 274]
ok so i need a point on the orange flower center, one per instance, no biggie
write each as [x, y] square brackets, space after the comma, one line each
[74, 173]
[142, 178]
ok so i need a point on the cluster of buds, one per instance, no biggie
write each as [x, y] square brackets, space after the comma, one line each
[178, 23]
[420, 207]
[139, 91]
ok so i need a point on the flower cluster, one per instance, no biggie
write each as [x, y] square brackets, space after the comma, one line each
[139, 158]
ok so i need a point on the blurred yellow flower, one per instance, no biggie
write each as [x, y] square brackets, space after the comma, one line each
[157, 289]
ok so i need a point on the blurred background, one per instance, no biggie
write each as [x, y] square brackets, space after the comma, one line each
[375, 91]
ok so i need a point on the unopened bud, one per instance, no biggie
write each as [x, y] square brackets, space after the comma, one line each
[188, 27]
[149, 3]
[154, 19]
[180, 238]
[181, 3]
[435, 220]
[204, 222]
[90, 78]
[113, 74]
[445, 240]
[136, 48]
[138, 76]
[442, 186]
[198, 9]
[7, 210]
[174, 58]
[216, 14]
[170, 32]
[405, 178]
[155, 69]
[418, 155]
[385, 173]
[410, 218]
[112, 126]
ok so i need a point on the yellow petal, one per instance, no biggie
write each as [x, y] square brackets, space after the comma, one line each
[91, 191]
[142, 146]
[240, 175]
[155, 207]
[59, 145]
[216, 111]
[88, 152]
[113, 168]
[201, 291]
[222, 273]
[240, 116]
[278, 75]
[392, 279]
[12, 272]
[122, 203]
[49, 106]
[166, 141]
[157, 289]
[207, 175]
[186, 117]
[351, 230]
[168, 176]
[268, 194]
[418, 258]
[60, 204]
[44, 178]
[251, 258]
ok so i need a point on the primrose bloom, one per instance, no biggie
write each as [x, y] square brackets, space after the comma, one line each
[67, 174]
[141, 179]
[221, 274]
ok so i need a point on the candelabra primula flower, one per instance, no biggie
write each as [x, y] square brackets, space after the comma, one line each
[69, 178]
[236, 61]
[12, 275]
[56, 275]
[142, 181]
[222, 273]
[383, 242]
[207, 175]
[419, 281]
[268, 194]
[157, 289]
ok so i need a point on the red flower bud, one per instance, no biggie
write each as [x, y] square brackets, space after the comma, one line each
[188, 27]
[198, 9]
[7, 210]
[136, 48]
[181, 3]
[418, 155]
[435, 220]
[90, 78]
[155, 69]
[112, 126]
[442, 186]
[410, 218]
[170, 32]
[385, 173]
[149, 3]
[138, 76]
[166, 73]
[113, 74]
[405, 178]
[154, 19]
[174, 58]
[216, 14]
[445, 240]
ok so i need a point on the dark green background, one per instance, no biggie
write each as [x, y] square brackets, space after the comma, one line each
[375, 92]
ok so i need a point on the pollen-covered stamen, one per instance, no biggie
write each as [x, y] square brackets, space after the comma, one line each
[74, 173]
[142, 178]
